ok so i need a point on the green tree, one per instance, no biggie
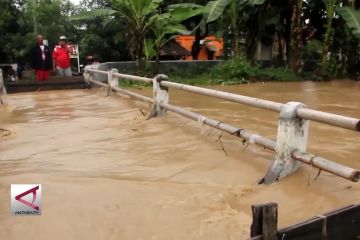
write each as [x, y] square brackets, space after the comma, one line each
[330, 6]
[352, 18]
[165, 25]
[50, 18]
[216, 9]
[16, 35]
[134, 14]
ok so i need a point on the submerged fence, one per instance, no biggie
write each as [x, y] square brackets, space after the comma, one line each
[290, 145]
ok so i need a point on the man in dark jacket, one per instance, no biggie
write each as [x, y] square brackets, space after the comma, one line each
[40, 60]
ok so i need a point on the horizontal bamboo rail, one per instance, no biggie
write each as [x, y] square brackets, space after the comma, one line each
[238, 132]
[304, 113]
[310, 159]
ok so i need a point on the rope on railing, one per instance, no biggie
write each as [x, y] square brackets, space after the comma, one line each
[292, 136]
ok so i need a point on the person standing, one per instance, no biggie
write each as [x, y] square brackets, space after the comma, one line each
[61, 56]
[40, 59]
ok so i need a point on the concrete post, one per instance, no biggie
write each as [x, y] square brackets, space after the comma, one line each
[2, 84]
[109, 81]
[89, 75]
[292, 134]
[113, 81]
[86, 76]
[160, 94]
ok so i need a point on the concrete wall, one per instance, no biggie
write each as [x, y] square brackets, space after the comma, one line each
[166, 67]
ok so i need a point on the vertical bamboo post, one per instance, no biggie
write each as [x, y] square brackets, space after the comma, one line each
[264, 225]
[292, 134]
[160, 95]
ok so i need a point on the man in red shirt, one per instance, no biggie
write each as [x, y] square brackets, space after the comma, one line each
[61, 56]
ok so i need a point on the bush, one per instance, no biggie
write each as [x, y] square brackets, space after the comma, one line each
[328, 70]
[277, 74]
[313, 50]
[239, 68]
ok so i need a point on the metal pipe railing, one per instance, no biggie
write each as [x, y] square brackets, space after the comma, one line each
[304, 113]
[310, 159]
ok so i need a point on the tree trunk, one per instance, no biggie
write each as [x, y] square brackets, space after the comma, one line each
[235, 41]
[196, 47]
[140, 52]
[251, 44]
[235, 28]
[296, 38]
[157, 61]
[327, 37]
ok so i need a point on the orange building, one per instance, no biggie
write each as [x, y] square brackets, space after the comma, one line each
[211, 47]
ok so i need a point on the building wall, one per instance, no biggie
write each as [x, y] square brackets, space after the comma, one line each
[187, 42]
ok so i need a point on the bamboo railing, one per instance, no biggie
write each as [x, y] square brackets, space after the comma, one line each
[293, 145]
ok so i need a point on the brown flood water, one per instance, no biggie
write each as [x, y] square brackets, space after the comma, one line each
[107, 173]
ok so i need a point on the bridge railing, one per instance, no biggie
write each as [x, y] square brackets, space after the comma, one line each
[291, 143]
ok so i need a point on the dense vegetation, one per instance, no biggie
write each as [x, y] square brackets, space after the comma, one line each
[322, 31]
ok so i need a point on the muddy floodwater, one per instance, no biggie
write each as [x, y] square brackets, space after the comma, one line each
[108, 173]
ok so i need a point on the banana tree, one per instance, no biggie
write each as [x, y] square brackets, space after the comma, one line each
[168, 24]
[296, 37]
[134, 14]
[352, 18]
[216, 9]
[330, 6]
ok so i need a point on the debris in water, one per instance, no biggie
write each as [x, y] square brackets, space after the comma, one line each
[4, 132]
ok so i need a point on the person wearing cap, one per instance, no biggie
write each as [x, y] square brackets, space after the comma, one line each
[40, 59]
[61, 56]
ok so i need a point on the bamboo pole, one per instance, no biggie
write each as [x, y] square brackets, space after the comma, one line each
[256, 102]
[238, 132]
[326, 165]
[125, 92]
[329, 118]
[310, 159]
[305, 113]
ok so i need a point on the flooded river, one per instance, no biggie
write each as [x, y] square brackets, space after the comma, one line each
[108, 173]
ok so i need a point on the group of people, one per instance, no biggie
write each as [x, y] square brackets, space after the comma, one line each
[42, 59]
